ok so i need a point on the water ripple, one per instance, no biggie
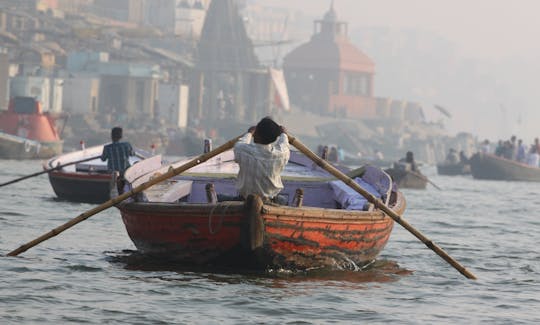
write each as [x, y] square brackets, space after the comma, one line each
[91, 275]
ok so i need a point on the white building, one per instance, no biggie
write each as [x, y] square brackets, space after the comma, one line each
[81, 95]
[181, 17]
[173, 103]
[48, 92]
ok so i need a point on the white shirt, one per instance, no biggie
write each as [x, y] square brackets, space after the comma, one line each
[533, 159]
[261, 165]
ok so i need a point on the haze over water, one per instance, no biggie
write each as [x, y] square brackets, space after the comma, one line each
[478, 59]
[90, 274]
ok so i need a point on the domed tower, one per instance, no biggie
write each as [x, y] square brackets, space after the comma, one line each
[329, 75]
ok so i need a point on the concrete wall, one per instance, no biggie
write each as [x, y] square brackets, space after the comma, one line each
[123, 10]
[189, 22]
[86, 61]
[414, 112]
[37, 87]
[74, 5]
[160, 13]
[173, 103]
[127, 95]
[81, 95]
[57, 93]
[47, 91]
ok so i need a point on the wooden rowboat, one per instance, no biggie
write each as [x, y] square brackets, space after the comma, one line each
[491, 167]
[87, 182]
[404, 177]
[453, 169]
[333, 227]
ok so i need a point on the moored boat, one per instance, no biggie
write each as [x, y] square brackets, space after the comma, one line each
[453, 169]
[26, 132]
[492, 167]
[88, 181]
[319, 223]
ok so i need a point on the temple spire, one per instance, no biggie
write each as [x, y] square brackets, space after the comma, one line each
[329, 26]
[331, 15]
[225, 44]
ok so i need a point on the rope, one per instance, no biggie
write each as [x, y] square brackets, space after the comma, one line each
[210, 216]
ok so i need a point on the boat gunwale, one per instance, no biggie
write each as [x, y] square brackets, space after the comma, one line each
[328, 214]
[69, 157]
[507, 161]
[268, 210]
[83, 176]
[486, 166]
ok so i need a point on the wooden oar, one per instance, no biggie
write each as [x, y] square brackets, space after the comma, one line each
[378, 203]
[422, 177]
[172, 172]
[48, 170]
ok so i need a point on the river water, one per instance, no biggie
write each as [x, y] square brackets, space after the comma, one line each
[89, 274]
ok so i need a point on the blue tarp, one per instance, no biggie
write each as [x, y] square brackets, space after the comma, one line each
[349, 198]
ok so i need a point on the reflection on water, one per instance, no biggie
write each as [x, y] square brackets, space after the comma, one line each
[377, 271]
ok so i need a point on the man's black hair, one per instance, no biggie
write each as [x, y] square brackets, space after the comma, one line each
[116, 133]
[267, 130]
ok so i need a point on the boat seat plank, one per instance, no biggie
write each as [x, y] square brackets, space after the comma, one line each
[143, 168]
[169, 191]
[91, 167]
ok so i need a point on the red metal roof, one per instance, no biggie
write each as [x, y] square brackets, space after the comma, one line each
[330, 48]
[338, 54]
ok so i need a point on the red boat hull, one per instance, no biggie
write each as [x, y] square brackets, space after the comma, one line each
[195, 233]
[81, 187]
[265, 236]
[27, 132]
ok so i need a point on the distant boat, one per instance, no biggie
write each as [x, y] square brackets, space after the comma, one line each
[453, 169]
[404, 177]
[342, 157]
[488, 166]
[87, 182]
[26, 132]
[331, 227]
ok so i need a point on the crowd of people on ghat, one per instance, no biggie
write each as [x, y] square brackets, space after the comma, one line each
[515, 149]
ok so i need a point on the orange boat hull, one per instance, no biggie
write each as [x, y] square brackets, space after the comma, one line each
[28, 134]
[322, 242]
[253, 234]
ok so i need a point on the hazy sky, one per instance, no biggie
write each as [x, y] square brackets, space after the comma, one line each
[499, 35]
[481, 28]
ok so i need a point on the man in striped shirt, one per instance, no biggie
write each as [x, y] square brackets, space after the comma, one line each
[262, 154]
[117, 153]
